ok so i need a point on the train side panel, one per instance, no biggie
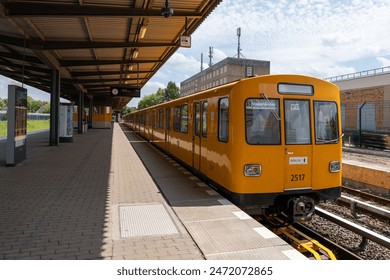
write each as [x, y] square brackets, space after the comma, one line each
[271, 142]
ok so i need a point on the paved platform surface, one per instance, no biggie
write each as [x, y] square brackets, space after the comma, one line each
[94, 199]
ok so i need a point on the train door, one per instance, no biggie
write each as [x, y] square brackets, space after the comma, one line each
[196, 136]
[298, 145]
[167, 128]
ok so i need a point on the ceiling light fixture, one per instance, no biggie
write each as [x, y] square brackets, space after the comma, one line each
[142, 31]
[167, 11]
[135, 53]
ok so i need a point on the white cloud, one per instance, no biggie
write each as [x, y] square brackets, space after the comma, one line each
[322, 38]
[295, 35]
[33, 92]
[385, 62]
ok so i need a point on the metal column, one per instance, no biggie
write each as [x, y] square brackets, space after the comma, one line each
[90, 106]
[54, 108]
[80, 109]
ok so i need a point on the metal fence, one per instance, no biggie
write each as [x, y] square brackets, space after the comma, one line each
[366, 124]
[361, 74]
[30, 116]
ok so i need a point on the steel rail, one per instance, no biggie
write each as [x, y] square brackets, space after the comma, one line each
[366, 207]
[366, 195]
[366, 233]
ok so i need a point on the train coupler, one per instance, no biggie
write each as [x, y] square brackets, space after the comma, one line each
[299, 209]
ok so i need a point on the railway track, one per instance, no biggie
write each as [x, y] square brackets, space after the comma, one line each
[307, 241]
[365, 233]
[320, 246]
[364, 207]
[367, 196]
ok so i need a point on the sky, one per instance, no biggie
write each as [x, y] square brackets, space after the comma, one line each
[321, 38]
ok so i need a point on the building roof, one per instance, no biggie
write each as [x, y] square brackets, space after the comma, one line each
[94, 44]
[230, 61]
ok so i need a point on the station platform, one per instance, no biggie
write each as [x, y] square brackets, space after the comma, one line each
[94, 199]
[367, 169]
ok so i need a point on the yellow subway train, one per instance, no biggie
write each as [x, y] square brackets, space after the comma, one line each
[270, 144]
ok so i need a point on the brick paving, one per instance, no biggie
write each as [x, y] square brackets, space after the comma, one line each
[62, 202]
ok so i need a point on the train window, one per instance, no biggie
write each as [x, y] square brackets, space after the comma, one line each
[168, 118]
[297, 121]
[204, 119]
[295, 89]
[176, 118]
[180, 118]
[326, 122]
[262, 122]
[153, 118]
[223, 120]
[184, 118]
[160, 118]
[197, 119]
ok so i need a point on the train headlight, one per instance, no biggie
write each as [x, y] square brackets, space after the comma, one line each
[252, 170]
[334, 166]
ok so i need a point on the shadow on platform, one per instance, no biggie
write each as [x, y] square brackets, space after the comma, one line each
[54, 204]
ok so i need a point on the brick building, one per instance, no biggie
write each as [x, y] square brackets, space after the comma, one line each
[365, 101]
[228, 70]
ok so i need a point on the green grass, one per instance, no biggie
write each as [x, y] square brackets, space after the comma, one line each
[32, 125]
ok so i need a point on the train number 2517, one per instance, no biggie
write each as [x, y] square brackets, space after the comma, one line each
[297, 177]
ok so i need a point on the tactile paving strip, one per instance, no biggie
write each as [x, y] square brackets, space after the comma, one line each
[145, 220]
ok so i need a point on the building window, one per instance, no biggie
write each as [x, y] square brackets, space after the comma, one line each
[249, 71]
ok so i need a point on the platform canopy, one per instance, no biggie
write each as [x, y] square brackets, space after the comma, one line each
[96, 45]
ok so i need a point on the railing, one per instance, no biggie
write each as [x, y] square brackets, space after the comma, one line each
[361, 74]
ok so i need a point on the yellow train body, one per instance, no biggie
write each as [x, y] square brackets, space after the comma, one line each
[262, 141]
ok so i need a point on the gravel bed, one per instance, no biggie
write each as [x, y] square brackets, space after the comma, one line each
[349, 239]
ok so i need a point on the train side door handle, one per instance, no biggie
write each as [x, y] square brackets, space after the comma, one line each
[288, 153]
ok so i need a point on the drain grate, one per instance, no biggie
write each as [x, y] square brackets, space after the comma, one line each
[145, 220]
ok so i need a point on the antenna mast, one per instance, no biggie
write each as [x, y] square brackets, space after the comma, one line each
[201, 62]
[211, 49]
[239, 45]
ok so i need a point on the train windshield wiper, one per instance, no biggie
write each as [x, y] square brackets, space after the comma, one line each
[331, 140]
[273, 111]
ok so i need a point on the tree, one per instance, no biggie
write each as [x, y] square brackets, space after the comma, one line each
[127, 110]
[162, 95]
[3, 104]
[34, 105]
[148, 101]
[172, 91]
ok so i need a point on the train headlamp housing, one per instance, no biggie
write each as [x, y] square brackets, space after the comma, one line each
[334, 166]
[252, 170]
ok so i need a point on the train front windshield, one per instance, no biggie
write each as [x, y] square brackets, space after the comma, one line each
[297, 121]
[263, 122]
[326, 124]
